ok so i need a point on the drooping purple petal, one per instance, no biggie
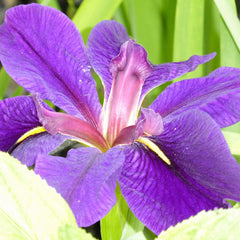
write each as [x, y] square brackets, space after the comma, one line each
[104, 44]
[43, 51]
[218, 94]
[168, 71]
[86, 179]
[17, 116]
[202, 173]
[28, 150]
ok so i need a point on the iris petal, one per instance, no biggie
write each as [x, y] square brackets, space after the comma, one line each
[168, 71]
[88, 183]
[43, 51]
[202, 173]
[17, 116]
[104, 44]
[55, 122]
[40, 144]
[129, 69]
[153, 123]
[218, 94]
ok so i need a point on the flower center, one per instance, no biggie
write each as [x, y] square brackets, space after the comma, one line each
[152, 146]
[119, 116]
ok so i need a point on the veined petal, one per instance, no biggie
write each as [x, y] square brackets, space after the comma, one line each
[17, 116]
[168, 71]
[104, 44]
[218, 94]
[43, 51]
[202, 173]
[63, 123]
[86, 179]
[28, 150]
[129, 69]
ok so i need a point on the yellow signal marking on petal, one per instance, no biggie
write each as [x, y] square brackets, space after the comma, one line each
[31, 132]
[154, 148]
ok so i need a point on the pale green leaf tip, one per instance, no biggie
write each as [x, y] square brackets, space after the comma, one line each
[28, 205]
[4, 156]
[70, 232]
[218, 223]
[63, 224]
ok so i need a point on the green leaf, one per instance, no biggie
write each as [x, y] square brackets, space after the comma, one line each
[230, 55]
[151, 24]
[146, 26]
[121, 224]
[232, 136]
[29, 208]
[189, 28]
[211, 35]
[113, 224]
[8, 87]
[92, 12]
[50, 3]
[230, 18]
[233, 128]
[122, 16]
[233, 140]
[18, 91]
[4, 82]
[73, 233]
[168, 12]
[137, 236]
[220, 224]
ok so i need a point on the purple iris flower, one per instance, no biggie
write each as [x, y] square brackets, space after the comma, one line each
[171, 159]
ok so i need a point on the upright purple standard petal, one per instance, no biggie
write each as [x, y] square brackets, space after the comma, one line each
[202, 173]
[104, 44]
[43, 51]
[218, 94]
[17, 116]
[88, 183]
